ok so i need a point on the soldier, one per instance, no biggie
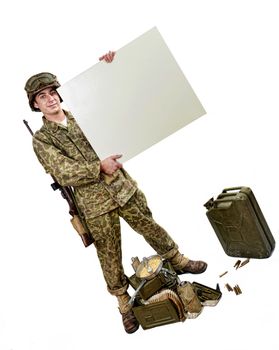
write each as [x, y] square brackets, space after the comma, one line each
[104, 191]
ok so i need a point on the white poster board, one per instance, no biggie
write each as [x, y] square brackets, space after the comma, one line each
[126, 106]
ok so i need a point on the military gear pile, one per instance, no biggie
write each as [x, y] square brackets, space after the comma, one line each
[37, 83]
[165, 299]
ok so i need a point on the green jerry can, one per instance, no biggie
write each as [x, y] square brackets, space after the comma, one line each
[239, 224]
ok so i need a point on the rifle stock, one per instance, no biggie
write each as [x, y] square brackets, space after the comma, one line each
[68, 194]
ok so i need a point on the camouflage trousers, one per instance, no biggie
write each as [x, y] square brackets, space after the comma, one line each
[106, 232]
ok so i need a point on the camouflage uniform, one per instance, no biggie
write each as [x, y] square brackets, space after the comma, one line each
[67, 155]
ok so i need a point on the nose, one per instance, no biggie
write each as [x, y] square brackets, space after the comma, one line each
[50, 97]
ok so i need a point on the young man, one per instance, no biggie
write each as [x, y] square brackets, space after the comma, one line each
[104, 191]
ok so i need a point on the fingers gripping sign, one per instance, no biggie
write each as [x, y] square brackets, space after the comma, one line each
[110, 165]
[108, 57]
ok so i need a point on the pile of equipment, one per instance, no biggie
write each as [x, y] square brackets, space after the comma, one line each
[160, 297]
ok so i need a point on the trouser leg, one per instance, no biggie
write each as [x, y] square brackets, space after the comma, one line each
[137, 214]
[139, 217]
[106, 232]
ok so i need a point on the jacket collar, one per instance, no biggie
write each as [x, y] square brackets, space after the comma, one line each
[53, 126]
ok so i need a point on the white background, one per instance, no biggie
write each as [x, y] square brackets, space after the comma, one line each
[52, 292]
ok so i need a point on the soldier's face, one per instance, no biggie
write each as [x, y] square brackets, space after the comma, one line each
[48, 101]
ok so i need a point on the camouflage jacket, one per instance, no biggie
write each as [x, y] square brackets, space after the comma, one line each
[67, 155]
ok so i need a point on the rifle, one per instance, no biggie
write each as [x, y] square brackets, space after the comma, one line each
[68, 194]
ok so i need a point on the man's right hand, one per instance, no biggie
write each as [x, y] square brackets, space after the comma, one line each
[110, 164]
[108, 57]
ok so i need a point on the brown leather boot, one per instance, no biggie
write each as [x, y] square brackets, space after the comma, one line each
[192, 266]
[182, 265]
[129, 320]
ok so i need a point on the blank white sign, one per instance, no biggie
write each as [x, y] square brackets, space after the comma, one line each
[126, 106]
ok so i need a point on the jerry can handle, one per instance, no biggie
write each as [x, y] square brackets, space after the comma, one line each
[232, 189]
[225, 195]
[222, 200]
[211, 203]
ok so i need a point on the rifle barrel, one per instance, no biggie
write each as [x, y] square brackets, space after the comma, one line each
[28, 127]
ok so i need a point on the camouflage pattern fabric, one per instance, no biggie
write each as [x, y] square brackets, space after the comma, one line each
[66, 154]
[106, 232]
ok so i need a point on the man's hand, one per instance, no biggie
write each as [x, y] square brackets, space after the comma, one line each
[108, 57]
[110, 164]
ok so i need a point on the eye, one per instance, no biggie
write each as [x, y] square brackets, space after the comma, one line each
[42, 96]
[53, 93]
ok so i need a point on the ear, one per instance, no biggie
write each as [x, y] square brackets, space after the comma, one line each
[35, 104]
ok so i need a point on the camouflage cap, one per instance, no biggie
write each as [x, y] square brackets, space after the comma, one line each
[37, 83]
